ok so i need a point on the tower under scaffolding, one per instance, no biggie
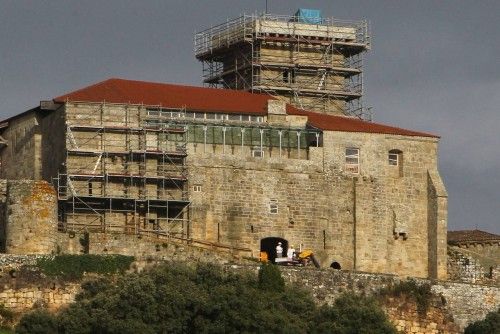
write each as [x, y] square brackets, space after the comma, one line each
[312, 63]
[124, 171]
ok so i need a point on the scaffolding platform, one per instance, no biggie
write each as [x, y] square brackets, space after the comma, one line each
[129, 179]
[316, 66]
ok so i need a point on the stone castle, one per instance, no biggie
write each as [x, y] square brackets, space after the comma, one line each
[280, 154]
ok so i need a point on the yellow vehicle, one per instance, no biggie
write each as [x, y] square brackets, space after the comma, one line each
[299, 259]
[306, 256]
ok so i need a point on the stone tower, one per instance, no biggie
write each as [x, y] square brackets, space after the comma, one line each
[308, 61]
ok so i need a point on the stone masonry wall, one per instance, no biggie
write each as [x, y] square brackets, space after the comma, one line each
[465, 302]
[19, 157]
[31, 222]
[3, 213]
[462, 302]
[473, 267]
[376, 220]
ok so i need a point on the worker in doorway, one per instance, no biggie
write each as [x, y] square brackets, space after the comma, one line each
[290, 254]
[279, 250]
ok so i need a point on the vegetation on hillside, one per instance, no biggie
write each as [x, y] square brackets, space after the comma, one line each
[489, 325]
[71, 266]
[175, 298]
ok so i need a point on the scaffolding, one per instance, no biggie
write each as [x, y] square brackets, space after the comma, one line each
[123, 173]
[312, 66]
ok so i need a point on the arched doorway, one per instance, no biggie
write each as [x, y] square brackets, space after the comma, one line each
[269, 244]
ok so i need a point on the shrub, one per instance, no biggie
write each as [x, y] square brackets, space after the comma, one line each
[352, 314]
[489, 325]
[73, 266]
[270, 278]
[175, 298]
[37, 322]
[5, 314]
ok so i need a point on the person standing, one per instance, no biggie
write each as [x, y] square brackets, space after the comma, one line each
[279, 250]
[290, 254]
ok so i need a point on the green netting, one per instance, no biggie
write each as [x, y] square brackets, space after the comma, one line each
[251, 136]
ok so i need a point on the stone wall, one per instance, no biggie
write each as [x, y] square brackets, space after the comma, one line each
[51, 297]
[453, 304]
[29, 225]
[21, 157]
[466, 265]
[381, 217]
[376, 220]
[404, 314]
[464, 302]
[145, 248]
[3, 213]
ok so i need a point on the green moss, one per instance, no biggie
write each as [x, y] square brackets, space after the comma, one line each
[73, 266]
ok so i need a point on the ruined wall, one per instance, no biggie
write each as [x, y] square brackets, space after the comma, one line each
[470, 266]
[30, 224]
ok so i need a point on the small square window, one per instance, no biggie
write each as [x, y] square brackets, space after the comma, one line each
[393, 159]
[273, 206]
[197, 188]
[258, 153]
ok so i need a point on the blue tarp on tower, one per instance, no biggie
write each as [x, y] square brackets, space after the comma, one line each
[308, 15]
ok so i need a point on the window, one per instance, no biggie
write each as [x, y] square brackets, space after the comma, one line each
[258, 119]
[273, 206]
[222, 117]
[234, 117]
[258, 152]
[286, 76]
[393, 159]
[352, 160]
[197, 188]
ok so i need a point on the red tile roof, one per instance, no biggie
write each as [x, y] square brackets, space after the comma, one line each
[215, 100]
[170, 96]
[465, 236]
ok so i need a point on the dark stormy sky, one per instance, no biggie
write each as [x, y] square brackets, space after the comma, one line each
[434, 66]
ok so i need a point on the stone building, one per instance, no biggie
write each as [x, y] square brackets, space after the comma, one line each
[474, 256]
[235, 169]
